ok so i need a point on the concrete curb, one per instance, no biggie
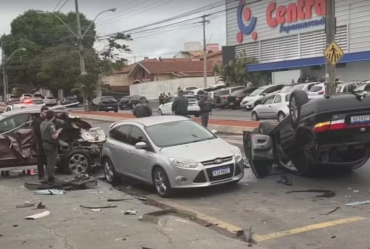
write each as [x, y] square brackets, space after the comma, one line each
[238, 130]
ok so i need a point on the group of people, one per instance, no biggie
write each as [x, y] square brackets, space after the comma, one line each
[163, 97]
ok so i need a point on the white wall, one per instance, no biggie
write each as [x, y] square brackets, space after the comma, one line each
[352, 71]
[151, 90]
[285, 77]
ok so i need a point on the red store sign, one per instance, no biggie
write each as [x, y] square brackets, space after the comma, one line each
[302, 10]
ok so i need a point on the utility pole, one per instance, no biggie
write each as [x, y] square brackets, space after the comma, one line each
[3, 67]
[80, 45]
[330, 30]
[204, 22]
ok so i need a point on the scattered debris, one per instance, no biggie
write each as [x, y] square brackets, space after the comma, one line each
[246, 233]
[347, 196]
[143, 247]
[355, 191]
[49, 192]
[41, 206]
[141, 198]
[326, 193]
[78, 183]
[284, 180]
[357, 203]
[123, 239]
[95, 209]
[332, 211]
[25, 205]
[101, 207]
[130, 212]
[15, 225]
[208, 224]
[38, 216]
[98, 192]
[112, 200]
[333, 237]
[1, 235]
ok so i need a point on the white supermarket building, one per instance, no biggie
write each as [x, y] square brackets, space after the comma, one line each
[289, 36]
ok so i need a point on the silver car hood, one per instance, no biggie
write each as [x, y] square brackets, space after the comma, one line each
[199, 151]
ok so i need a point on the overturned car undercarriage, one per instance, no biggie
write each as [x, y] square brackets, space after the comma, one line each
[324, 133]
[79, 144]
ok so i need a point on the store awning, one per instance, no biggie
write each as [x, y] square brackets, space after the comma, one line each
[299, 63]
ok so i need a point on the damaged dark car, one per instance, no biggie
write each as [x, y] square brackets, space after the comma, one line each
[332, 132]
[79, 144]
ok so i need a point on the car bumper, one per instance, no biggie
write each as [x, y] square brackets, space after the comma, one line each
[203, 175]
[248, 106]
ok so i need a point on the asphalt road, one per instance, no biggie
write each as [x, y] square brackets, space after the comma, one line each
[280, 219]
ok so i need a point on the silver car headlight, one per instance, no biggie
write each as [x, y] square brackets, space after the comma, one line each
[237, 153]
[183, 163]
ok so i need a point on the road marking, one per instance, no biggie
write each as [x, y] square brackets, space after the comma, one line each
[221, 224]
[260, 238]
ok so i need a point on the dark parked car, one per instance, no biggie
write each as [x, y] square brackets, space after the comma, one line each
[220, 96]
[70, 100]
[322, 133]
[79, 146]
[236, 97]
[129, 102]
[105, 103]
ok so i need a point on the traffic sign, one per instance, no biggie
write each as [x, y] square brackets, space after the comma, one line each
[333, 53]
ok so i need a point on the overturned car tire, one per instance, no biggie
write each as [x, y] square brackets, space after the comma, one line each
[77, 162]
[297, 99]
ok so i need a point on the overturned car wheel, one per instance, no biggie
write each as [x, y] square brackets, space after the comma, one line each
[297, 99]
[77, 162]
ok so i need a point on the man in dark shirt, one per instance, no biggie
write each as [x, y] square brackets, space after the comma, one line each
[142, 110]
[180, 105]
[41, 162]
[49, 136]
[205, 106]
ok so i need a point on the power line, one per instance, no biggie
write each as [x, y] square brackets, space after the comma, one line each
[63, 5]
[57, 5]
[105, 18]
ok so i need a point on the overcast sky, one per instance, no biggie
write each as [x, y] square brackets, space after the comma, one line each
[163, 41]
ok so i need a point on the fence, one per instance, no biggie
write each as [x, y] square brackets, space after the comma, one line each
[151, 90]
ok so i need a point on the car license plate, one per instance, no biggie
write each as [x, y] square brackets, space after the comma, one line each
[220, 172]
[365, 119]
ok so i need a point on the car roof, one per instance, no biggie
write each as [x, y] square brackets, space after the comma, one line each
[153, 120]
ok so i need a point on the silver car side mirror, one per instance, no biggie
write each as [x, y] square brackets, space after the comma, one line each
[141, 146]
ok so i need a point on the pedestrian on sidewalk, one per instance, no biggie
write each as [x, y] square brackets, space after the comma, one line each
[49, 136]
[41, 157]
[180, 104]
[205, 106]
[142, 110]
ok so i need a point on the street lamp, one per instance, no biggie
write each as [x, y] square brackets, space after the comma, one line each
[4, 72]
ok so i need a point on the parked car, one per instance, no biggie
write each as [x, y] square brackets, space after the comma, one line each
[317, 91]
[25, 96]
[220, 96]
[256, 97]
[170, 153]
[37, 102]
[18, 142]
[275, 106]
[70, 100]
[346, 87]
[298, 86]
[19, 106]
[237, 96]
[190, 88]
[363, 87]
[38, 96]
[105, 103]
[50, 101]
[129, 102]
[321, 133]
[193, 107]
[12, 99]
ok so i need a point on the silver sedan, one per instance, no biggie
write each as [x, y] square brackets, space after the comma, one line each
[275, 106]
[169, 152]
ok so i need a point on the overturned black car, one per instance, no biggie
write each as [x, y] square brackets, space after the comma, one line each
[327, 132]
[79, 144]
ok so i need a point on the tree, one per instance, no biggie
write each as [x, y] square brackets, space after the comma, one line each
[115, 45]
[235, 72]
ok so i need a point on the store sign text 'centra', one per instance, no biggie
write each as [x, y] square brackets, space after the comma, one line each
[287, 16]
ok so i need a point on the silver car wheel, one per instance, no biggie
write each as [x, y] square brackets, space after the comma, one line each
[293, 108]
[281, 117]
[78, 164]
[160, 182]
[108, 172]
[254, 116]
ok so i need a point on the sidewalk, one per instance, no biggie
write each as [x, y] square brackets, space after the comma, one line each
[72, 227]
[221, 125]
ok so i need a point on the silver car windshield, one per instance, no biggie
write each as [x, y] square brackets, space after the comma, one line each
[178, 133]
[257, 91]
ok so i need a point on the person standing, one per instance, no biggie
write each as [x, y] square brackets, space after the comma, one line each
[161, 99]
[205, 106]
[180, 105]
[142, 110]
[49, 136]
[41, 158]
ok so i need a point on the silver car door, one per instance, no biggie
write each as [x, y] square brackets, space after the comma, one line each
[120, 148]
[274, 107]
[265, 107]
[141, 160]
[167, 106]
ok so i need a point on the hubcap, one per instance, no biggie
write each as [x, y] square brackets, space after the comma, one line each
[293, 108]
[78, 164]
[281, 117]
[254, 116]
[160, 182]
[108, 171]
